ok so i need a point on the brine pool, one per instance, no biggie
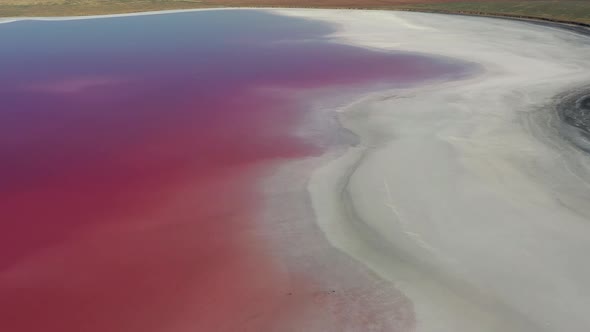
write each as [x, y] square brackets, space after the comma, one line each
[132, 151]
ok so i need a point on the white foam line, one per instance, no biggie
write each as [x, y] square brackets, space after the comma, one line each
[150, 13]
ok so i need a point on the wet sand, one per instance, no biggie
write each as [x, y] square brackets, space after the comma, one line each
[465, 195]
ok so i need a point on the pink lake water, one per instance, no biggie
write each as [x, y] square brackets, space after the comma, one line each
[131, 150]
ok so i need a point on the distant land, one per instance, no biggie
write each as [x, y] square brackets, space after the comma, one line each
[574, 11]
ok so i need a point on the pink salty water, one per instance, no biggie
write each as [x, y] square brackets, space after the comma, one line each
[131, 151]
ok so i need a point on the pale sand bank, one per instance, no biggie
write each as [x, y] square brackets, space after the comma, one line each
[463, 194]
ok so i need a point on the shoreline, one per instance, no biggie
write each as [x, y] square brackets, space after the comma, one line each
[569, 25]
[391, 201]
[5, 20]
[364, 199]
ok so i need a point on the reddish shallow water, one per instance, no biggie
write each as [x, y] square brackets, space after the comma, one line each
[131, 149]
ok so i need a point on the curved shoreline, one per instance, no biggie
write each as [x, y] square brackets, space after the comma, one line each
[570, 25]
[433, 274]
[373, 201]
[4, 20]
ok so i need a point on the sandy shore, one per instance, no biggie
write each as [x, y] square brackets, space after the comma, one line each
[463, 194]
